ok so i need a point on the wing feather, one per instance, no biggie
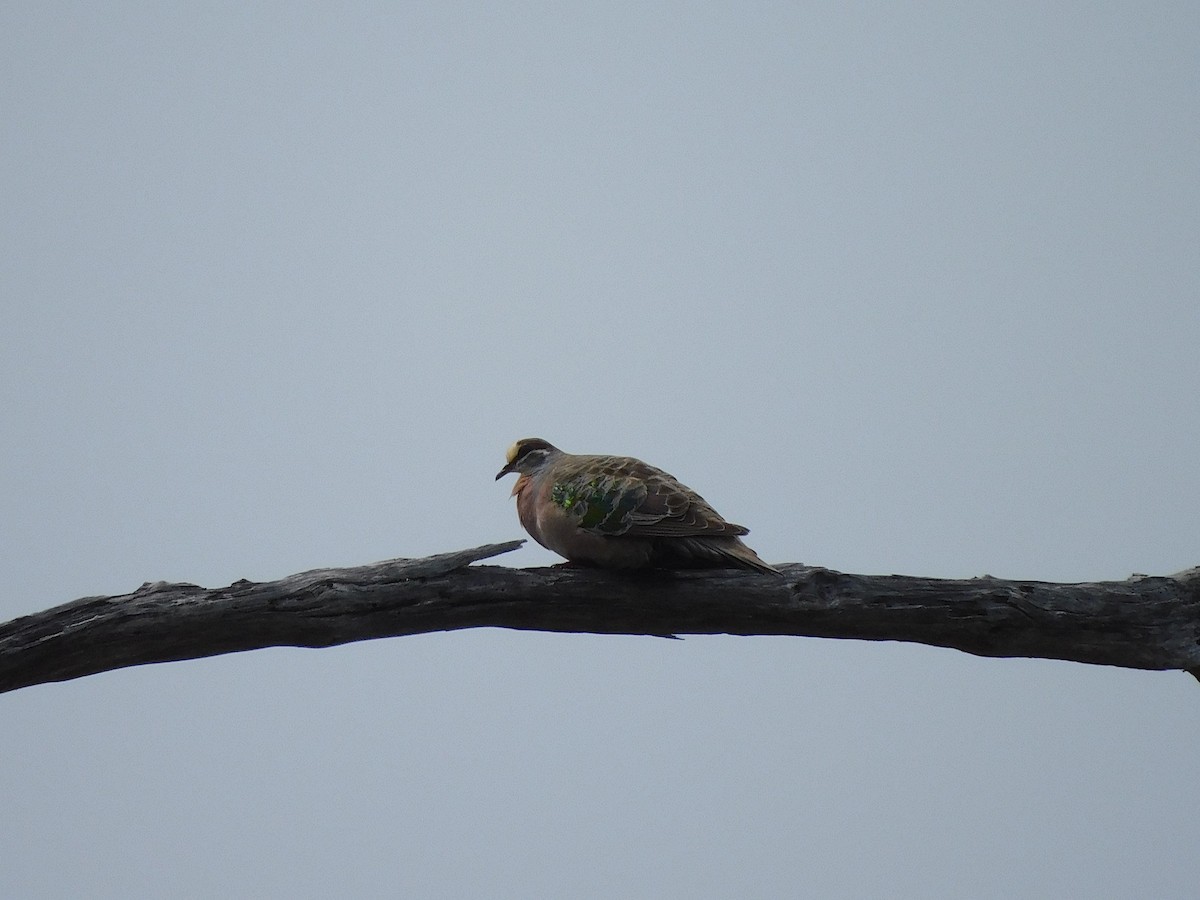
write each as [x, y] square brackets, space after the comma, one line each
[625, 497]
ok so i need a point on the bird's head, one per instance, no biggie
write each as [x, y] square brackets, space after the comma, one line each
[527, 456]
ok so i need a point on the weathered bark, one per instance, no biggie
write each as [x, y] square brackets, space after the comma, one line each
[1143, 623]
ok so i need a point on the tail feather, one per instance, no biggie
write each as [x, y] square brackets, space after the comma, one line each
[746, 558]
[713, 552]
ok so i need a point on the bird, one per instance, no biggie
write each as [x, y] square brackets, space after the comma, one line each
[617, 512]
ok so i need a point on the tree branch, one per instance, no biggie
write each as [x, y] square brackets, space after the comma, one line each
[1142, 623]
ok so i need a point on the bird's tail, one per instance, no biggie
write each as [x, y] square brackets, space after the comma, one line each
[746, 558]
[717, 551]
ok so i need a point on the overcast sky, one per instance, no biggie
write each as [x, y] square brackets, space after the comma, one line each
[906, 288]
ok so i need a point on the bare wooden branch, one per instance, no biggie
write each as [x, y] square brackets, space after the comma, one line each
[1143, 622]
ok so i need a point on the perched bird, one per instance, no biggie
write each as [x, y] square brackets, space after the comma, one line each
[617, 512]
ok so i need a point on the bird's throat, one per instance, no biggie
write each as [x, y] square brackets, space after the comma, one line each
[522, 480]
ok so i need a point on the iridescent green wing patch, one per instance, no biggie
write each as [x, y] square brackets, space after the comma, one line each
[601, 503]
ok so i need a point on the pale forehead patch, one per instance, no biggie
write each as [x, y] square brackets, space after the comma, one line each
[512, 452]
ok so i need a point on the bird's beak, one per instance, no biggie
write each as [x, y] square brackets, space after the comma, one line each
[505, 471]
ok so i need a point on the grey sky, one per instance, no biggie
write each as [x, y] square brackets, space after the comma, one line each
[904, 288]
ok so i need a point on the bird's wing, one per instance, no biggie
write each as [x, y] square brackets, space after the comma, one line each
[621, 496]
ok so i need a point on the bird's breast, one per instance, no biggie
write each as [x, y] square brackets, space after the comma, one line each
[527, 507]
